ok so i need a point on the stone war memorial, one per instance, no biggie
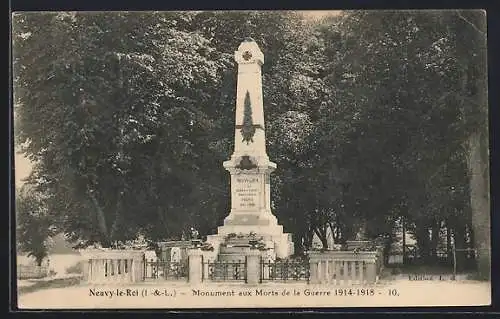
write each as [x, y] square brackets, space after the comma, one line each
[250, 218]
[251, 245]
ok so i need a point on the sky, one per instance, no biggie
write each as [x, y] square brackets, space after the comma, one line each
[318, 14]
[22, 167]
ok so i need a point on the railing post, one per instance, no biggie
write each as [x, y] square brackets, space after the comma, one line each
[371, 271]
[253, 266]
[87, 269]
[195, 265]
[262, 269]
[313, 268]
[202, 269]
[140, 266]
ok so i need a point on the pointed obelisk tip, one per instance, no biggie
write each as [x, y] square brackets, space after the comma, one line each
[248, 39]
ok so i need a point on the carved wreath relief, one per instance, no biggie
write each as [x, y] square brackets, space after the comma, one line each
[248, 129]
[247, 55]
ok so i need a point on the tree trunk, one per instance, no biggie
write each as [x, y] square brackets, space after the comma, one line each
[299, 240]
[422, 234]
[116, 218]
[308, 238]
[321, 233]
[348, 233]
[436, 227]
[403, 224]
[480, 204]
[478, 159]
[387, 243]
[101, 221]
[459, 238]
[298, 246]
[332, 231]
[449, 251]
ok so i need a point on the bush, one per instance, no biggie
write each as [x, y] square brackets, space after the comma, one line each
[207, 247]
[395, 271]
[76, 268]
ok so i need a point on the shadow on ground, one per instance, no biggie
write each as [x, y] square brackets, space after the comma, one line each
[49, 284]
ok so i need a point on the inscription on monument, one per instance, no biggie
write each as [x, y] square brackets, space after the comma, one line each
[247, 191]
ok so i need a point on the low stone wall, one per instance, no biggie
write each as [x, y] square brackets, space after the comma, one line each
[32, 271]
[113, 266]
[328, 267]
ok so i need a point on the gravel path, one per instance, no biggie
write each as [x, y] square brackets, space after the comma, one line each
[177, 295]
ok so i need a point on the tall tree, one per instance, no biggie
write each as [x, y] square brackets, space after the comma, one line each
[402, 112]
[34, 225]
[132, 114]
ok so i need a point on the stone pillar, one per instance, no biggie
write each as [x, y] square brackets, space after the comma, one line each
[313, 269]
[253, 266]
[87, 264]
[195, 266]
[371, 271]
[138, 267]
[380, 258]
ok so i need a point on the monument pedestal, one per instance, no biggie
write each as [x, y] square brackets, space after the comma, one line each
[250, 209]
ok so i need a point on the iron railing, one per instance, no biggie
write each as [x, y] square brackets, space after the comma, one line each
[167, 270]
[284, 270]
[225, 271]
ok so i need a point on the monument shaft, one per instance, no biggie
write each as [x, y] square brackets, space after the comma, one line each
[249, 94]
[249, 165]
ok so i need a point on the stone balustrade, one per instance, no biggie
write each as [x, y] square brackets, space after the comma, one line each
[32, 271]
[325, 267]
[344, 267]
[113, 266]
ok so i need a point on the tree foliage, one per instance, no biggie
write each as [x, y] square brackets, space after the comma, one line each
[34, 225]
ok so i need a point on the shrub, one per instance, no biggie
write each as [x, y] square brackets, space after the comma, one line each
[207, 247]
[76, 268]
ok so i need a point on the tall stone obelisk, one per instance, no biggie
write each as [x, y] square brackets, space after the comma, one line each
[249, 165]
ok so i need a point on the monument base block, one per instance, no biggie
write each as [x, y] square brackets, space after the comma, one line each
[275, 246]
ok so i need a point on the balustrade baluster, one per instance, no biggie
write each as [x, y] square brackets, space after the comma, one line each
[345, 272]
[353, 271]
[361, 272]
